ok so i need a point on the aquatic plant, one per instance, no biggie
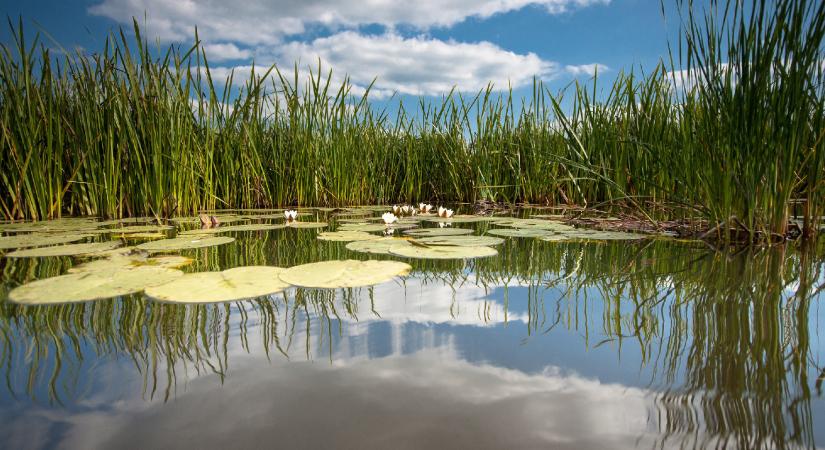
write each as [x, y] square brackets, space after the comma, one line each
[728, 133]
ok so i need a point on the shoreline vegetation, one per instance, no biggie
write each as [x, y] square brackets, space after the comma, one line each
[726, 136]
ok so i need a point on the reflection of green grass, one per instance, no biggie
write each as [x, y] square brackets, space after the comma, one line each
[726, 335]
[125, 132]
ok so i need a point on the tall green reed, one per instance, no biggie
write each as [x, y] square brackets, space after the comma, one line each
[729, 132]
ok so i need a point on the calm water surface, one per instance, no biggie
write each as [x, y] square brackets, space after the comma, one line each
[651, 344]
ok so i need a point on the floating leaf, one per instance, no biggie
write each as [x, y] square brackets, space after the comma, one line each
[341, 274]
[307, 225]
[233, 228]
[51, 226]
[117, 263]
[442, 252]
[184, 242]
[373, 227]
[426, 232]
[461, 219]
[85, 286]
[212, 287]
[38, 240]
[520, 232]
[136, 229]
[66, 250]
[538, 224]
[461, 241]
[346, 236]
[379, 246]
[603, 235]
[143, 236]
[555, 238]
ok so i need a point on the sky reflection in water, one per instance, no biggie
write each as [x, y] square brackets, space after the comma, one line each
[563, 345]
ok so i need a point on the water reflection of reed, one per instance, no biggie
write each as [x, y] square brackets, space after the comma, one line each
[725, 336]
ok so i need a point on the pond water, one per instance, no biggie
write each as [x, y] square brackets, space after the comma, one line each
[560, 344]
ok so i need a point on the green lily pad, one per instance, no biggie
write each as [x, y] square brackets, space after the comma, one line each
[306, 224]
[598, 235]
[38, 240]
[346, 236]
[143, 236]
[379, 246]
[461, 241]
[184, 242]
[373, 227]
[213, 287]
[86, 286]
[427, 232]
[66, 250]
[231, 228]
[555, 238]
[51, 226]
[442, 252]
[343, 274]
[520, 232]
[537, 224]
[136, 229]
[120, 262]
[461, 219]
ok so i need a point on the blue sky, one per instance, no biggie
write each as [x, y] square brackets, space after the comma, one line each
[415, 49]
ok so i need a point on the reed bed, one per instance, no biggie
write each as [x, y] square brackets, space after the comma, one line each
[729, 132]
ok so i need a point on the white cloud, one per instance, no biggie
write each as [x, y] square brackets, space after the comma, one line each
[586, 69]
[225, 51]
[416, 65]
[265, 21]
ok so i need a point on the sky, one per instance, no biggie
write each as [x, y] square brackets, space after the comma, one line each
[410, 48]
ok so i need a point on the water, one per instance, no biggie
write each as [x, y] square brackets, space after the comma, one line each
[644, 344]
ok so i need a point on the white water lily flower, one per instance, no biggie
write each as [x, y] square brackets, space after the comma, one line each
[389, 218]
[425, 207]
[396, 209]
[290, 215]
[444, 212]
[407, 210]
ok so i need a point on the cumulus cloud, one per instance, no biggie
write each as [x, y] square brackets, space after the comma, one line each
[586, 69]
[264, 21]
[225, 51]
[416, 65]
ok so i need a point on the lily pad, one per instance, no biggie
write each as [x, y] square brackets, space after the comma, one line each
[142, 236]
[38, 240]
[379, 246]
[307, 225]
[461, 219]
[117, 263]
[184, 242]
[427, 232]
[537, 224]
[461, 241]
[51, 226]
[343, 274]
[346, 236]
[373, 227]
[136, 229]
[442, 252]
[603, 235]
[86, 286]
[556, 238]
[212, 287]
[66, 250]
[231, 228]
[520, 232]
